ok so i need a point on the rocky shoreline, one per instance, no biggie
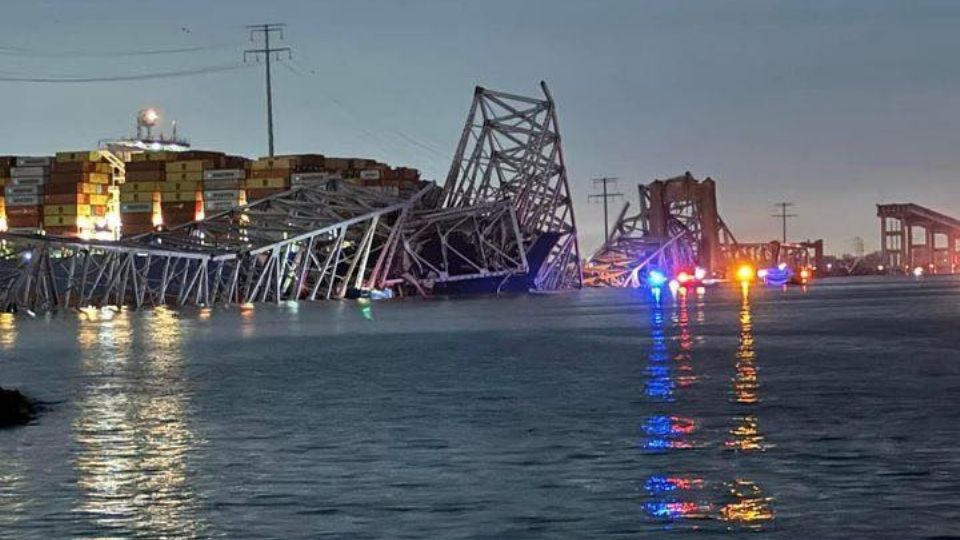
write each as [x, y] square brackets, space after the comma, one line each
[15, 408]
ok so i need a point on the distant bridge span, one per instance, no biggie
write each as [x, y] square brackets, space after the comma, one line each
[912, 235]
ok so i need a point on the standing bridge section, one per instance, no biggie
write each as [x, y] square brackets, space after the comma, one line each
[914, 236]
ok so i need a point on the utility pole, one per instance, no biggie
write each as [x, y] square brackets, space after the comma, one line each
[783, 215]
[267, 52]
[605, 196]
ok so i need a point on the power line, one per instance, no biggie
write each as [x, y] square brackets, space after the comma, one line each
[266, 30]
[7, 50]
[605, 196]
[403, 135]
[783, 215]
[428, 151]
[119, 78]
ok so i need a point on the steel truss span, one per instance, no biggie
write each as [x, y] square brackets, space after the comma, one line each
[510, 150]
[306, 244]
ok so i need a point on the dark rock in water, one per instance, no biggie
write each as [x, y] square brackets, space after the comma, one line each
[15, 408]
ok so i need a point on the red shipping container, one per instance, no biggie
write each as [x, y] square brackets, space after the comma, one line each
[146, 176]
[16, 222]
[67, 198]
[61, 231]
[75, 189]
[143, 218]
[145, 166]
[269, 173]
[74, 167]
[34, 211]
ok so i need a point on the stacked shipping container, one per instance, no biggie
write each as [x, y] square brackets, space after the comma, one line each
[76, 197]
[70, 194]
[24, 194]
[5, 163]
[283, 172]
[170, 188]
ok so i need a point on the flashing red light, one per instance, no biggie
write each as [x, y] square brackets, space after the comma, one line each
[684, 278]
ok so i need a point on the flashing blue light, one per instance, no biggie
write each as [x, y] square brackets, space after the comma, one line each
[656, 278]
[659, 484]
[656, 445]
[658, 425]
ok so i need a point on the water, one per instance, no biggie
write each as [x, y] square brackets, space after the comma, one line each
[827, 413]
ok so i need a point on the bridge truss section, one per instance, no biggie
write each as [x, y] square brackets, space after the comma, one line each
[510, 150]
[676, 226]
[305, 244]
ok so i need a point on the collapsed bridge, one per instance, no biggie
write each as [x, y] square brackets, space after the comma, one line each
[503, 220]
[678, 226]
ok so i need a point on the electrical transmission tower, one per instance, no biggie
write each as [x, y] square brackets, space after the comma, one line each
[605, 196]
[783, 215]
[266, 30]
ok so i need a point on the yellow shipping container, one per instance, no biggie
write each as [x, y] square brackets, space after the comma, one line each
[70, 157]
[190, 186]
[67, 210]
[66, 221]
[193, 165]
[178, 196]
[193, 176]
[99, 178]
[4, 181]
[142, 196]
[266, 183]
[132, 187]
[93, 189]
[153, 156]
[272, 163]
[99, 200]
[103, 168]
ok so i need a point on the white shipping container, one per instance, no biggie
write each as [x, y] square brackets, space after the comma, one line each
[214, 185]
[27, 161]
[29, 181]
[219, 205]
[24, 200]
[370, 174]
[222, 195]
[136, 207]
[20, 172]
[23, 190]
[224, 174]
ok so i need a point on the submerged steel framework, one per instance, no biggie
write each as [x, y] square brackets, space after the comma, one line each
[506, 202]
[510, 150]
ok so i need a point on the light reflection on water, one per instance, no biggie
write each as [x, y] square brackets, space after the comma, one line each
[8, 331]
[131, 428]
[675, 499]
[13, 502]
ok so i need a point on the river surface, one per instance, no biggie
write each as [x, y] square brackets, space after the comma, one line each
[826, 413]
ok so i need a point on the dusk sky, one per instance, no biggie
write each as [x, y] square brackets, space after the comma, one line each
[835, 106]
